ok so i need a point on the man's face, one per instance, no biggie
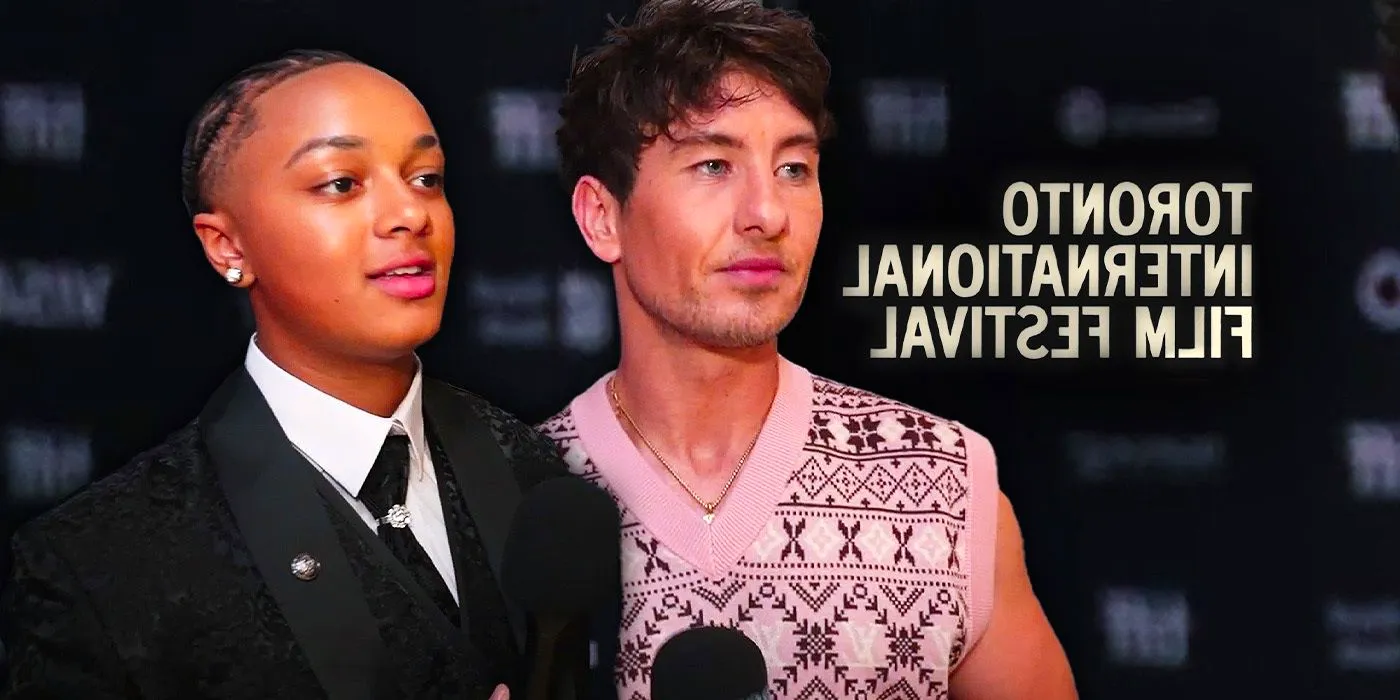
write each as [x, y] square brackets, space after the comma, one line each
[340, 184]
[717, 238]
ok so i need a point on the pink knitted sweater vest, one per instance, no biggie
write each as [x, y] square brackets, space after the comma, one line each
[856, 546]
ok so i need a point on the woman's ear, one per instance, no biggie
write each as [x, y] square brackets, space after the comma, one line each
[222, 249]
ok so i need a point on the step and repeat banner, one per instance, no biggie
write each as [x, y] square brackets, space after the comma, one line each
[1210, 512]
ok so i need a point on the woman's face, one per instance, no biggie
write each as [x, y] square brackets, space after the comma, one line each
[333, 207]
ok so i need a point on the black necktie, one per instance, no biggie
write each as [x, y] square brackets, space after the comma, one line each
[385, 487]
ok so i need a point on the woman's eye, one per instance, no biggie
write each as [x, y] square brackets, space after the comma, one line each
[340, 185]
[431, 180]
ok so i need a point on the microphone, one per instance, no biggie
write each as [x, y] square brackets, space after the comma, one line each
[709, 663]
[562, 561]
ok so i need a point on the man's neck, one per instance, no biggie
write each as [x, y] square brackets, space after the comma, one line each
[373, 387]
[697, 406]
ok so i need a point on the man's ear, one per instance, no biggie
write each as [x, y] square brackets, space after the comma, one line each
[223, 250]
[597, 213]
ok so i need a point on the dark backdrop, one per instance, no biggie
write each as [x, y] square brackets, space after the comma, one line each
[1209, 534]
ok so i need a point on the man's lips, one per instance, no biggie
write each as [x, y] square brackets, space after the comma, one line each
[756, 265]
[755, 271]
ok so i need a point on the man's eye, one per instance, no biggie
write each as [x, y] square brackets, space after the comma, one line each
[796, 170]
[713, 167]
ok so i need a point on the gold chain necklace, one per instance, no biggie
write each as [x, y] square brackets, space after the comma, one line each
[708, 506]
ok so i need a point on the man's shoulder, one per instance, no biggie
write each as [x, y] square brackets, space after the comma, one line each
[831, 395]
[891, 421]
[559, 427]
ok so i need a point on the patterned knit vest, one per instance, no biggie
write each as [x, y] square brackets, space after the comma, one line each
[855, 547]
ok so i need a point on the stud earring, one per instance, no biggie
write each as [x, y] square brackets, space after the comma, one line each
[233, 275]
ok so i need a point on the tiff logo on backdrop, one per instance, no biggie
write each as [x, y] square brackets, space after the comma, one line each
[1369, 123]
[1373, 456]
[585, 312]
[522, 128]
[514, 310]
[1365, 635]
[1085, 118]
[510, 310]
[1145, 628]
[1176, 457]
[43, 466]
[43, 122]
[906, 117]
[62, 295]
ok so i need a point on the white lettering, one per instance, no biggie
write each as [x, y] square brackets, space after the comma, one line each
[585, 312]
[54, 295]
[46, 122]
[1373, 456]
[511, 311]
[45, 465]
[523, 124]
[1365, 635]
[906, 117]
[1369, 123]
[1146, 628]
[1099, 457]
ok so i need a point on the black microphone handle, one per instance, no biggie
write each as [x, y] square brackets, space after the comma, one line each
[571, 675]
[544, 638]
[552, 677]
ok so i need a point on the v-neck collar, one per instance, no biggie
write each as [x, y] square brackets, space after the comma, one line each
[662, 505]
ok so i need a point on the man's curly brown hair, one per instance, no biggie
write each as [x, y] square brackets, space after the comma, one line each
[666, 67]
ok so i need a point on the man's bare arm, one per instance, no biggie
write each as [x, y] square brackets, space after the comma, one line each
[1018, 657]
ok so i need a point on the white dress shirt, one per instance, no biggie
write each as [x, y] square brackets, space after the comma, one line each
[343, 442]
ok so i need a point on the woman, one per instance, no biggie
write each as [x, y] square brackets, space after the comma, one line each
[314, 532]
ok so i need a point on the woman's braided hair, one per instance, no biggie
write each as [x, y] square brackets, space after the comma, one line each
[227, 118]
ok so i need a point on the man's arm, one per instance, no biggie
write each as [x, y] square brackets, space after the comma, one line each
[56, 645]
[1018, 657]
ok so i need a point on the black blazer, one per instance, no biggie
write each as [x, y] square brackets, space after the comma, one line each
[171, 579]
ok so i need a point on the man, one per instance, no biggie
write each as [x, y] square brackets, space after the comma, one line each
[863, 544]
[331, 525]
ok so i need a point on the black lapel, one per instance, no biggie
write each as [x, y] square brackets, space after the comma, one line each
[272, 492]
[484, 477]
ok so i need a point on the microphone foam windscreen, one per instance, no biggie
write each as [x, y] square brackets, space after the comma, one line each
[563, 552]
[713, 663]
